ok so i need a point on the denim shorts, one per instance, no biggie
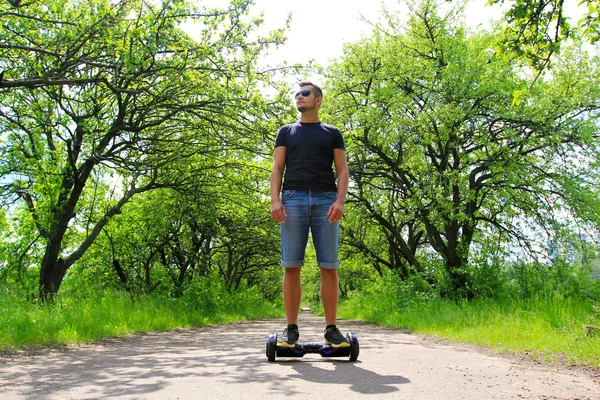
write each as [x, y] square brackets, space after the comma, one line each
[307, 210]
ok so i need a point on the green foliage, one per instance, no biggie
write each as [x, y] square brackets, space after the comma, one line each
[99, 314]
[172, 237]
[387, 295]
[136, 158]
[545, 324]
[536, 29]
[482, 280]
[107, 100]
[450, 144]
[209, 296]
[20, 252]
[353, 276]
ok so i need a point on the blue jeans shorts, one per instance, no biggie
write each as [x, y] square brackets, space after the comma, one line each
[307, 210]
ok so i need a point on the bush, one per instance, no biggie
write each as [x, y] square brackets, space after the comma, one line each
[387, 295]
[89, 315]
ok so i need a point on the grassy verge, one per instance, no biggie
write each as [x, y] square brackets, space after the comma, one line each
[110, 313]
[550, 328]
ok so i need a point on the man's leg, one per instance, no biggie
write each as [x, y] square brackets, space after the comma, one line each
[292, 294]
[325, 236]
[294, 236]
[329, 294]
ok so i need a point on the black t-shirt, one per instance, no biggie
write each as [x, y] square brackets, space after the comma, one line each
[309, 155]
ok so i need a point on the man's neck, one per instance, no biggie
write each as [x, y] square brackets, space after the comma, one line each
[309, 117]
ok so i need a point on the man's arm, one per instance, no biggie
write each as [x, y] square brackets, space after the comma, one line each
[277, 209]
[336, 211]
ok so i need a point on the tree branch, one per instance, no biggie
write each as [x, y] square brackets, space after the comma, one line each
[32, 209]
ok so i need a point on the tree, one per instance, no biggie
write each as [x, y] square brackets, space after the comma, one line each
[448, 141]
[163, 239]
[537, 29]
[209, 230]
[247, 246]
[121, 92]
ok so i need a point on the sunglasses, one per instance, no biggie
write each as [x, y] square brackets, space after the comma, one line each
[304, 93]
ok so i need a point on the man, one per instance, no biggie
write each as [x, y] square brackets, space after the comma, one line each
[310, 200]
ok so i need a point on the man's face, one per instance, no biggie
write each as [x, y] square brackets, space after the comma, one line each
[306, 99]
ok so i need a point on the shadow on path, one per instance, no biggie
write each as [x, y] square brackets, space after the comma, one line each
[347, 373]
[145, 364]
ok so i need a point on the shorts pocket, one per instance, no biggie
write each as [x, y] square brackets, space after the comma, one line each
[332, 195]
[287, 194]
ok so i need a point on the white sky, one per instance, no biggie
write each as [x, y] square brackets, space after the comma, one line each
[320, 27]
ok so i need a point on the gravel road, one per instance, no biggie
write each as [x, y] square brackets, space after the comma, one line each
[209, 363]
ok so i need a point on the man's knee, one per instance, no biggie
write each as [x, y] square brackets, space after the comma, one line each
[328, 273]
[293, 272]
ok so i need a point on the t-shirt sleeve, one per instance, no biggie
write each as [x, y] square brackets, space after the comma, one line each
[338, 140]
[281, 139]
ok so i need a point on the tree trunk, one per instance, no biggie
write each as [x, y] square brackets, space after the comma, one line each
[53, 267]
[180, 283]
[122, 275]
[53, 270]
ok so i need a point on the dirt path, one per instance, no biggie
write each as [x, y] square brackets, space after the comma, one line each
[206, 363]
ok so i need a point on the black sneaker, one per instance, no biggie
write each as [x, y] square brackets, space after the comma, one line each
[334, 337]
[290, 337]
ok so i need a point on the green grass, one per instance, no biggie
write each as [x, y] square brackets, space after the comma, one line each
[111, 313]
[550, 328]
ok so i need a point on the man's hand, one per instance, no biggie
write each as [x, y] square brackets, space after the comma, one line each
[336, 211]
[278, 211]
